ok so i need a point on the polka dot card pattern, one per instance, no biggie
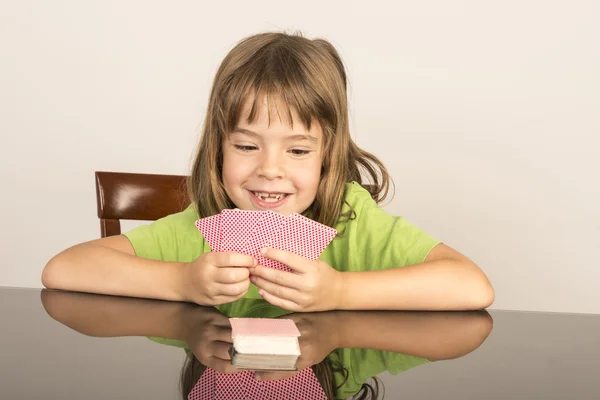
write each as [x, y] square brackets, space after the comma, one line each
[214, 385]
[263, 235]
[237, 227]
[210, 227]
[303, 236]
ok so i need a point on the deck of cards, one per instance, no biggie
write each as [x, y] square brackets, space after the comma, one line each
[247, 232]
[264, 344]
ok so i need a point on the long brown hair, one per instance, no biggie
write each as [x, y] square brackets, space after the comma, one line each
[309, 77]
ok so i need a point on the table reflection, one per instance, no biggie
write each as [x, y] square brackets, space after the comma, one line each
[343, 351]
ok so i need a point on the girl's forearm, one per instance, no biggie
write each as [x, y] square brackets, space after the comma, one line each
[93, 268]
[429, 335]
[102, 316]
[445, 284]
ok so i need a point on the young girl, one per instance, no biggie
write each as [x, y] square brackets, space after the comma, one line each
[276, 137]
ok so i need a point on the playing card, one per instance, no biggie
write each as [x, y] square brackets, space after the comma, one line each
[210, 229]
[235, 386]
[237, 227]
[214, 385]
[303, 236]
[263, 235]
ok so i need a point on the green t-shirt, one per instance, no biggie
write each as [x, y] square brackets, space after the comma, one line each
[373, 240]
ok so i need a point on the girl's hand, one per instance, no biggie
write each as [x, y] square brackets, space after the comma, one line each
[312, 286]
[319, 335]
[208, 334]
[318, 338]
[217, 278]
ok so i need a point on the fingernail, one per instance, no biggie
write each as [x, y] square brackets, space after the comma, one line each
[263, 251]
[251, 270]
[255, 262]
[252, 279]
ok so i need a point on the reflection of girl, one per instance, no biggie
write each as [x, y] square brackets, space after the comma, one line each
[343, 349]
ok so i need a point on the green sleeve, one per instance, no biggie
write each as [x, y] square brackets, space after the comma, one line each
[374, 239]
[173, 238]
[363, 364]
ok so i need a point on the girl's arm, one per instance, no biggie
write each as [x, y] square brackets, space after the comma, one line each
[109, 266]
[111, 316]
[431, 335]
[446, 280]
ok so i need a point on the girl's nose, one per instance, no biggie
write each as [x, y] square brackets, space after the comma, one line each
[271, 166]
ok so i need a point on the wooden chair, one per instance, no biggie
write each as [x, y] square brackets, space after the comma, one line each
[144, 197]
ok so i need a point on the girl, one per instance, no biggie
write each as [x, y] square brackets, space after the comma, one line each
[276, 137]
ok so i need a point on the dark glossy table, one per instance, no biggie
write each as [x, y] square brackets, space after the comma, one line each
[61, 345]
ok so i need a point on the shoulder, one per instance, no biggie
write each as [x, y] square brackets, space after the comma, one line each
[373, 238]
[359, 365]
[172, 238]
[180, 223]
[357, 200]
[360, 206]
[357, 196]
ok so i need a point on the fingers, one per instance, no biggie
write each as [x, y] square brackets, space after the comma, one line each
[231, 275]
[294, 261]
[220, 334]
[236, 290]
[231, 259]
[220, 365]
[220, 350]
[282, 278]
[279, 302]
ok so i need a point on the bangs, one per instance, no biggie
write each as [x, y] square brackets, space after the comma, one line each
[283, 80]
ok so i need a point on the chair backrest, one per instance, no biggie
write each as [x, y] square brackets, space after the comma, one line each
[145, 197]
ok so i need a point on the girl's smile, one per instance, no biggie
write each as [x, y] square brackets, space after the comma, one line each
[268, 200]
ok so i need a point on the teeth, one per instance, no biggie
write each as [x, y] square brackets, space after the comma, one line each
[269, 197]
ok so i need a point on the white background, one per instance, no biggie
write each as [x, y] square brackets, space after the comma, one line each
[486, 114]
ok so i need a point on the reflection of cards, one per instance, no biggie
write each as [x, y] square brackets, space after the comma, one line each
[264, 344]
[243, 385]
[247, 232]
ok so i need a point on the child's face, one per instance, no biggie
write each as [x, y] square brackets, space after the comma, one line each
[272, 166]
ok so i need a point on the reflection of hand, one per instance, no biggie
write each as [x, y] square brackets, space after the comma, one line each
[205, 329]
[209, 336]
[318, 338]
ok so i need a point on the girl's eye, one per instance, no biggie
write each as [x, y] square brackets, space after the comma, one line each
[244, 148]
[299, 152]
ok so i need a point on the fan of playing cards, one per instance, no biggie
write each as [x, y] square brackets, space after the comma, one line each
[247, 232]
